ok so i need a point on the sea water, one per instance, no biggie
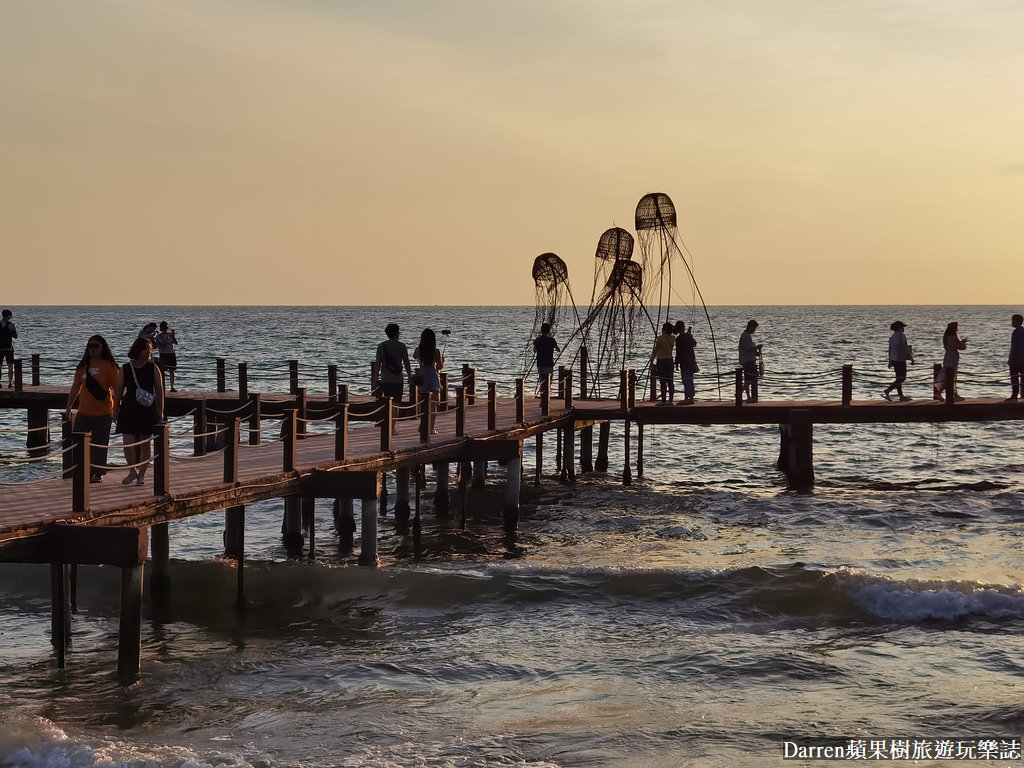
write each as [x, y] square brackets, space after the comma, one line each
[703, 616]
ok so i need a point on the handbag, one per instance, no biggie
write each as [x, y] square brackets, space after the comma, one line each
[95, 388]
[144, 397]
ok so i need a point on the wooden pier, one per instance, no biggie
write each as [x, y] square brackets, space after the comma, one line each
[337, 446]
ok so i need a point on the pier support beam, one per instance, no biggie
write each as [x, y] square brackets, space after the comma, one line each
[479, 473]
[403, 510]
[38, 440]
[627, 473]
[368, 535]
[345, 523]
[129, 630]
[604, 432]
[234, 532]
[160, 552]
[538, 461]
[441, 491]
[568, 474]
[60, 610]
[292, 528]
[587, 449]
[639, 449]
[796, 450]
[513, 470]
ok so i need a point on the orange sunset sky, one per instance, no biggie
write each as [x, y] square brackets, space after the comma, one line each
[409, 152]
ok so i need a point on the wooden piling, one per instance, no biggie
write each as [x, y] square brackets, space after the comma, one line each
[441, 489]
[847, 385]
[38, 439]
[800, 460]
[161, 459]
[345, 523]
[520, 402]
[60, 610]
[538, 458]
[222, 384]
[293, 376]
[255, 418]
[291, 533]
[35, 370]
[403, 510]
[604, 432]
[129, 634]
[243, 382]
[368, 537]
[627, 474]
[512, 482]
[160, 556]
[639, 449]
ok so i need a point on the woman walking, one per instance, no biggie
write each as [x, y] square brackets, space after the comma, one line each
[431, 361]
[141, 397]
[899, 353]
[952, 343]
[96, 376]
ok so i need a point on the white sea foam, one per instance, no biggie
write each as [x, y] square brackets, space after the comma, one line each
[921, 600]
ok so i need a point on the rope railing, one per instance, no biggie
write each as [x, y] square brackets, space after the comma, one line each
[244, 407]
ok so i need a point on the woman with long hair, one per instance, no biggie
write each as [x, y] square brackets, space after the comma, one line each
[431, 361]
[952, 344]
[96, 377]
[142, 406]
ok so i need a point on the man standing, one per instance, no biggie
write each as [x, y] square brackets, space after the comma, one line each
[748, 352]
[1016, 359]
[392, 357]
[899, 354]
[8, 333]
[545, 346]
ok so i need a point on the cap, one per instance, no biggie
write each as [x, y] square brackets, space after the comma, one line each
[897, 325]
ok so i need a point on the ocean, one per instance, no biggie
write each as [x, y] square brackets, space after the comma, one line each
[704, 616]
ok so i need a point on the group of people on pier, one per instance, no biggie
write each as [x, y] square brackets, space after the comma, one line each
[392, 367]
[674, 348]
[130, 395]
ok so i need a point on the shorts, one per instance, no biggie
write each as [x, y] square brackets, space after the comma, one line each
[899, 367]
[393, 390]
[168, 361]
[750, 370]
[7, 356]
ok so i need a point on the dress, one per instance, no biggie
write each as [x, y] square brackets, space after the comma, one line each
[134, 418]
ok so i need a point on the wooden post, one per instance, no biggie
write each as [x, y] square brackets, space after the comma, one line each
[462, 471]
[129, 634]
[291, 530]
[243, 382]
[587, 449]
[847, 384]
[652, 380]
[936, 379]
[222, 384]
[739, 387]
[425, 404]
[368, 537]
[604, 432]
[460, 411]
[160, 554]
[639, 449]
[512, 487]
[545, 394]
[561, 381]
[234, 532]
[60, 610]
[584, 371]
[949, 379]
[19, 382]
[345, 523]
[627, 474]
[199, 430]
[80, 480]
[471, 388]
[479, 473]
[569, 447]
[800, 471]
[632, 388]
[492, 406]
[538, 460]
[402, 509]
[302, 408]
[35, 370]
[558, 451]
[289, 428]
[441, 489]
[442, 396]
[520, 402]
[567, 389]
[307, 504]
[38, 439]
[231, 451]
[341, 433]
[332, 384]
[255, 418]
[161, 459]
[66, 441]
[293, 376]
[623, 389]
[387, 425]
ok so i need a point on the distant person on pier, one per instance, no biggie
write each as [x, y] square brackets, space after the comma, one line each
[96, 376]
[148, 331]
[8, 333]
[392, 358]
[545, 346]
[953, 344]
[686, 359]
[662, 358]
[431, 362]
[899, 353]
[748, 354]
[141, 398]
[1016, 359]
[165, 342]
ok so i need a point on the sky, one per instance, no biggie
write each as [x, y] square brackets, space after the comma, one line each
[334, 152]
